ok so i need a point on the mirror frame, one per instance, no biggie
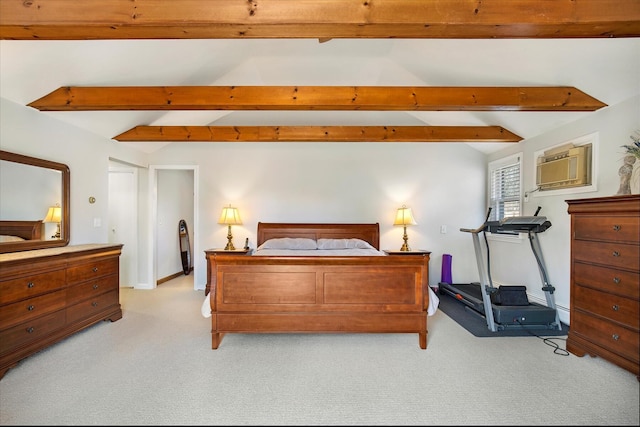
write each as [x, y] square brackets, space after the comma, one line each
[65, 229]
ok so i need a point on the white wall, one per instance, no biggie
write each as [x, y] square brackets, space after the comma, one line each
[613, 126]
[341, 182]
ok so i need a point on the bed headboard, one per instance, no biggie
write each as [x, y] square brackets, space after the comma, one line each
[273, 230]
[28, 230]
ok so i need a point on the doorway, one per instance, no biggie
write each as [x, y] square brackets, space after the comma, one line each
[156, 221]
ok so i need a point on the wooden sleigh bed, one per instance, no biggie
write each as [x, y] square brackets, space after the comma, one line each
[248, 293]
[19, 235]
[23, 230]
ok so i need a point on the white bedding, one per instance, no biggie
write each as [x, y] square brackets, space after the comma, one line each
[6, 238]
[300, 246]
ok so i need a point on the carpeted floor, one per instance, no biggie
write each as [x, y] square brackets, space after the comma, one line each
[476, 324]
[155, 366]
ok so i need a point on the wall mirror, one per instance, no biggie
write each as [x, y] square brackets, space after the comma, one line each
[34, 203]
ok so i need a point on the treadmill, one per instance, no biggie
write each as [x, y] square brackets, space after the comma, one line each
[478, 296]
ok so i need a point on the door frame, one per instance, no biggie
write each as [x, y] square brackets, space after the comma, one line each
[153, 222]
[132, 252]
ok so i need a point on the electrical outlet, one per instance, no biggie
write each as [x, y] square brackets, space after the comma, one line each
[526, 197]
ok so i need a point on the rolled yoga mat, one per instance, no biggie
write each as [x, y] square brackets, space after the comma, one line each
[446, 269]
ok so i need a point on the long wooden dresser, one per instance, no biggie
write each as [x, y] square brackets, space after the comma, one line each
[48, 294]
[605, 279]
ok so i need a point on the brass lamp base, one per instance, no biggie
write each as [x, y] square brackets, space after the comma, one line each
[229, 246]
[57, 235]
[405, 246]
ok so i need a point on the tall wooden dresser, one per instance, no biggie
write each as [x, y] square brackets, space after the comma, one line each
[48, 294]
[605, 279]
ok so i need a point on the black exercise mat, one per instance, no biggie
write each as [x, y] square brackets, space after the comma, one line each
[476, 324]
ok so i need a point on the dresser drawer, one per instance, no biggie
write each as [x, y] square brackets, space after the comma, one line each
[91, 288]
[619, 282]
[21, 311]
[30, 331]
[90, 307]
[610, 254]
[608, 335]
[610, 228]
[91, 270]
[30, 285]
[613, 307]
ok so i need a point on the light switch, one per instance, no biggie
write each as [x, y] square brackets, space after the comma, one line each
[97, 222]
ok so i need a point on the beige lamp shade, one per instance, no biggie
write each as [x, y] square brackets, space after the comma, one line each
[230, 216]
[404, 216]
[54, 214]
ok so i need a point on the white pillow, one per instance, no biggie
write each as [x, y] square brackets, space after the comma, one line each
[289, 243]
[5, 238]
[343, 244]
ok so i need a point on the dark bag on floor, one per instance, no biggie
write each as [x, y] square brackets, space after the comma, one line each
[510, 295]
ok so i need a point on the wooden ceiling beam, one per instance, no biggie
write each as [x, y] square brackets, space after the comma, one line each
[366, 98]
[325, 19]
[318, 134]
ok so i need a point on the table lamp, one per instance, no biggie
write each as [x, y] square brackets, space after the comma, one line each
[404, 217]
[54, 216]
[230, 216]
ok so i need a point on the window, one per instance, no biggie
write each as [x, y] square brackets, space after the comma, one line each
[505, 184]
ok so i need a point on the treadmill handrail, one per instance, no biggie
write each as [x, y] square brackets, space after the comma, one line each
[473, 230]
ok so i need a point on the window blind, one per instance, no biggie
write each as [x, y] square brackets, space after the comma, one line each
[504, 182]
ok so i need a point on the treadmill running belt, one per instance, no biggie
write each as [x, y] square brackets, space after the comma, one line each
[475, 323]
[469, 294]
[506, 316]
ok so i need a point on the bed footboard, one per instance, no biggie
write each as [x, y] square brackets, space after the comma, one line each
[376, 294]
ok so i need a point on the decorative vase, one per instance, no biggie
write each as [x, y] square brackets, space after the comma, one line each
[634, 182]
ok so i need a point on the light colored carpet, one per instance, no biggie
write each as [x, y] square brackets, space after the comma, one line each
[155, 366]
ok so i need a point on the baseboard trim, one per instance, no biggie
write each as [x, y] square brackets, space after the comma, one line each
[173, 276]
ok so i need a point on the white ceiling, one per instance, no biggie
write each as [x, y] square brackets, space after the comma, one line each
[607, 69]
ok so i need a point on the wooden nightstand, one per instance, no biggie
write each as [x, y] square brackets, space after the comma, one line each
[211, 255]
[412, 252]
[233, 252]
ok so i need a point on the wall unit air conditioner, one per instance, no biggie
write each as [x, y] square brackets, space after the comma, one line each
[564, 167]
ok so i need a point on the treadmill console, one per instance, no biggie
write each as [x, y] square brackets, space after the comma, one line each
[518, 224]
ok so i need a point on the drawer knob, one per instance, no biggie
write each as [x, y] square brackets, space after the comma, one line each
[615, 253]
[30, 329]
[616, 228]
[616, 307]
[95, 269]
[616, 280]
[31, 308]
[30, 285]
[615, 337]
[95, 286]
[95, 304]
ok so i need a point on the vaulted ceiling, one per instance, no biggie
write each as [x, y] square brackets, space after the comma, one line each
[483, 72]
